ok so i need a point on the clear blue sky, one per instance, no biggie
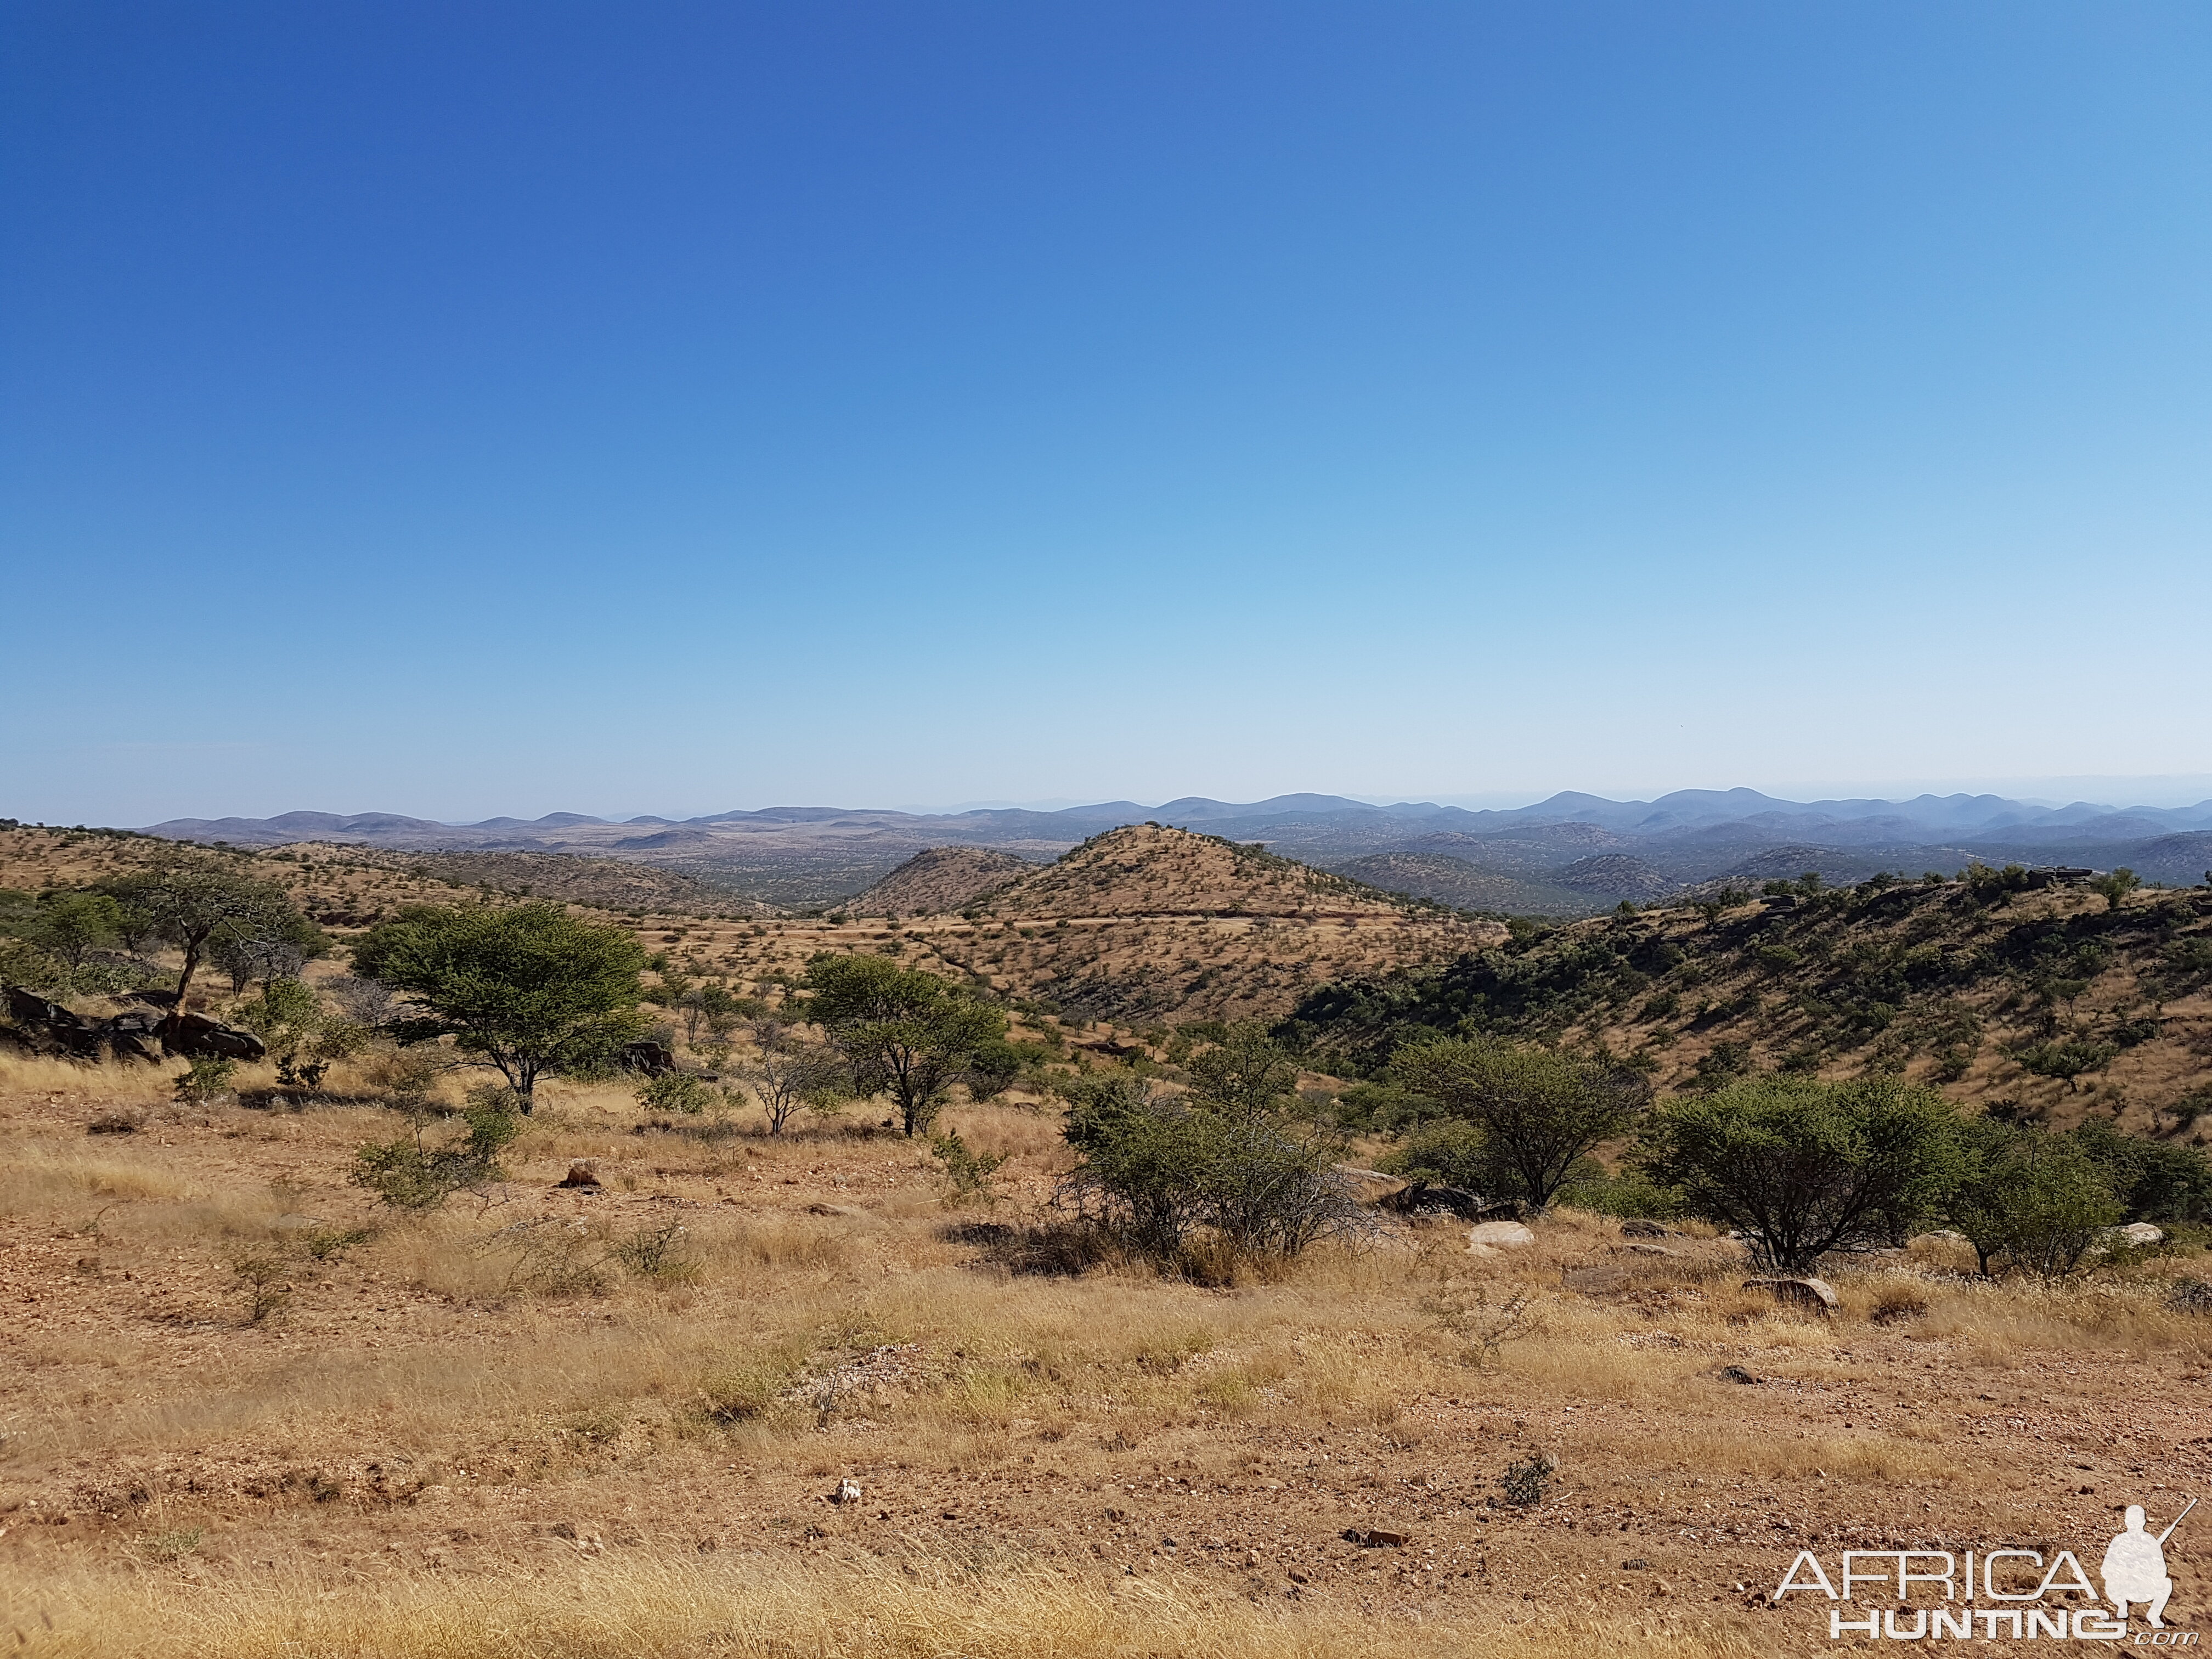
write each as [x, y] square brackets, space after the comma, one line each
[466, 408]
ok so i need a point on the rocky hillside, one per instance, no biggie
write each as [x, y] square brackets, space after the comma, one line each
[599, 884]
[1148, 870]
[348, 886]
[1141, 926]
[2048, 1004]
[938, 882]
[1149, 925]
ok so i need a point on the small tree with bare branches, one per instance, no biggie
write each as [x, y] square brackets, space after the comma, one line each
[791, 1072]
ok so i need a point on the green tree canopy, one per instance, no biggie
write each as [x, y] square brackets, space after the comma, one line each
[2038, 1199]
[904, 1033]
[196, 904]
[1803, 1165]
[2154, 1180]
[1539, 1109]
[2116, 884]
[530, 989]
[71, 925]
[1244, 1074]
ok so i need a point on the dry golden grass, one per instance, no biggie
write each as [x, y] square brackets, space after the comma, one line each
[394, 1462]
[848, 1609]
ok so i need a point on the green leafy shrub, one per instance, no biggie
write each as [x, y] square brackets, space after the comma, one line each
[1987, 886]
[1527, 1481]
[682, 1092]
[2036, 1199]
[206, 1079]
[1451, 1154]
[1629, 1194]
[1802, 1166]
[1171, 1175]
[2153, 1180]
[2066, 1058]
[1721, 1065]
[411, 1173]
[968, 1173]
[329, 1243]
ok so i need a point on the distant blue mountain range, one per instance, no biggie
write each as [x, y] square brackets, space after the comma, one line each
[1571, 852]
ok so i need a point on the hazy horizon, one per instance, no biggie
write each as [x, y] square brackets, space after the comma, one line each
[2118, 792]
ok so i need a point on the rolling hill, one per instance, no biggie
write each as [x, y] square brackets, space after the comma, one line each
[2044, 1004]
[1141, 925]
[940, 881]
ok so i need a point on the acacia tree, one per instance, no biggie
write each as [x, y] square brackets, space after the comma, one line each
[904, 1033]
[2035, 1198]
[525, 990]
[2115, 885]
[1246, 1074]
[791, 1072]
[268, 948]
[1803, 1166]
[196, 904]
[71, 924]
[1539, 1110]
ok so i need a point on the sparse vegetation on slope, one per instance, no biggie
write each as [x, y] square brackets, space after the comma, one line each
[1148, 924]
[938, 882]
[2050, 1003]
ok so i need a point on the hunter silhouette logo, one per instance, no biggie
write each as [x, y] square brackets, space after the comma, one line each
[2135, 1567]
[2000, 1592]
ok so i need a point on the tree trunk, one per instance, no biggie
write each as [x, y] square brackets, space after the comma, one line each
[169, 1026]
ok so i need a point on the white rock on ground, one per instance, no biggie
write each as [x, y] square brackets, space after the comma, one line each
[1488, 1237]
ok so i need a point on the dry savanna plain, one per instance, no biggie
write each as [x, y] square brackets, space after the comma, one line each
[794, 1396]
